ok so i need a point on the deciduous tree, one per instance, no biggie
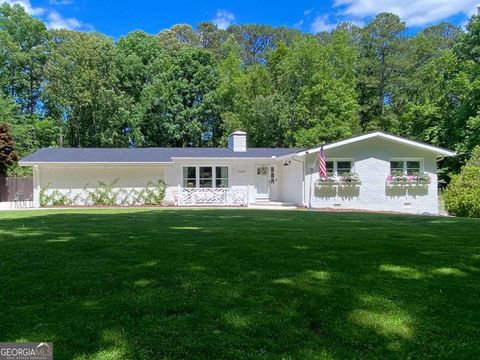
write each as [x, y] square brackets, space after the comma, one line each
[8, 155]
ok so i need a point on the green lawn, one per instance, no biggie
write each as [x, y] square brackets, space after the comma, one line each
[240, 284]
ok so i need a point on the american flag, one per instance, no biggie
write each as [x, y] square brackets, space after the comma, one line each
[323, 164]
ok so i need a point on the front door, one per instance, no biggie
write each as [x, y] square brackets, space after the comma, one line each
[262, 177]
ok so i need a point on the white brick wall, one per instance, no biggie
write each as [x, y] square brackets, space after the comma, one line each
[372, 163]
[76, 181]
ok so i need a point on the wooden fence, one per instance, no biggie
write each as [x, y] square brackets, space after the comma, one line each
[16, 188]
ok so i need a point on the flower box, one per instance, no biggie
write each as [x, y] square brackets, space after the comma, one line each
[350, 179]
[414, 179]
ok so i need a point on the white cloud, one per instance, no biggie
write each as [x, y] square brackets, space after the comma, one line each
[223, 19]
[57, 21]
[307, 12]
[53, 19]
[61, 2]
[413, 12]
[27, 5]
[322, 23]
[298, 24]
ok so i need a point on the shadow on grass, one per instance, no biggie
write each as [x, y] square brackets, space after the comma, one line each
[240, 284]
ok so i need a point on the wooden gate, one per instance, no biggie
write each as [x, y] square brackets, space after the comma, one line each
[16, 189]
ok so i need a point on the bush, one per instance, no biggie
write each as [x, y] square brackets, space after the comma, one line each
[104, 194]
[462, 197]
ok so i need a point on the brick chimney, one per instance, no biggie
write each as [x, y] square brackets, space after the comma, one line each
[237, 141]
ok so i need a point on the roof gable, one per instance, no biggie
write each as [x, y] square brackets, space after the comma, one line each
[378, 134]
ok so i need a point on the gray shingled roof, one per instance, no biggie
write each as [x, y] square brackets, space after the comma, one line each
[146, 155]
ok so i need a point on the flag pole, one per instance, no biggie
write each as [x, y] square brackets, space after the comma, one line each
[312, 169]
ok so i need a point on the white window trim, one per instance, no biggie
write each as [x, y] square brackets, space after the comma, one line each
[405, 160]
[335, 164]
[197, 174]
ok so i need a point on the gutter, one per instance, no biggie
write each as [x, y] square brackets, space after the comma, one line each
[34, 163]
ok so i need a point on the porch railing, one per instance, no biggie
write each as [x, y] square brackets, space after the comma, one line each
[237, 196]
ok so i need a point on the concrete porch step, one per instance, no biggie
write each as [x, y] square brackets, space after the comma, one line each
[273, 204]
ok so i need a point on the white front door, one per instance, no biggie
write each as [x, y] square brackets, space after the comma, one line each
[262, 176]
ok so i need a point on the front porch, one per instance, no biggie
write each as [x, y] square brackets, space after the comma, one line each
[237, 196]
[234, 183]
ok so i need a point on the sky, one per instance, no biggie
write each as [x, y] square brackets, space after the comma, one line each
[119, 17]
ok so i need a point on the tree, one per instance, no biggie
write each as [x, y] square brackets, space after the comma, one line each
[468, 82]
[82, 91]
[8, 109]
[317, 83]
[256, 40]
[462, 197]
[211, 37]
[177, 108]
[381, 65]
[24, 48]
[178, 36]
[191, 86]
[8, 155]
[138, 59]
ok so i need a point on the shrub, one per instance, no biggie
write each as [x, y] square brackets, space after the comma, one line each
[152, 194]
[462, 197]
[56, 198]
[155, 193]
[104, 194]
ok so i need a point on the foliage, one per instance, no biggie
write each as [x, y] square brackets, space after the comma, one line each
[82, 90]
[192, 86]
[24, 50]
[105, 194]
[177, 108]
[55, 198]
[399, 176]
[152, 194]
[462, 196]
[350, 178]
[8, 155]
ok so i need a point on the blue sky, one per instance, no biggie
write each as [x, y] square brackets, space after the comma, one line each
[116, 18]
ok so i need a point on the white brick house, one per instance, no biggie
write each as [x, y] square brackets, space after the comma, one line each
[376, 171]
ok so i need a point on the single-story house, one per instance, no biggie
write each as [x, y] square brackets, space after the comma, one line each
[375, 171]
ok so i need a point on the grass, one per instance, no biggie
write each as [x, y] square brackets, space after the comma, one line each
[240, 284]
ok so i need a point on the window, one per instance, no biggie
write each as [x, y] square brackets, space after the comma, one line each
[262, 170]
[205, 176]
[344, 167]
[402, 167]
[396, 167]
[189, 176]
[413, 167]
[339, 167]
[221, 177]
[272, 174]
[330, 168]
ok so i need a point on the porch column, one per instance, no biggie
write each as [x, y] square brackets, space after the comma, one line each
[36, 186]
